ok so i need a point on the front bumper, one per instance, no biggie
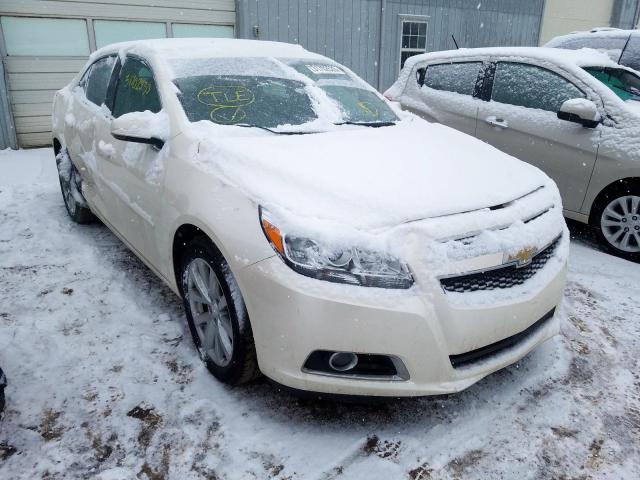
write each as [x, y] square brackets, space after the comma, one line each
[293, 316]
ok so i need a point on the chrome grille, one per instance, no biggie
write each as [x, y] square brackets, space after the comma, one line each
[502, 277]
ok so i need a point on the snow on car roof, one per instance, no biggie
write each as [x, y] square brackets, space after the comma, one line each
[579, 58]
[593, 33]
[208, 47]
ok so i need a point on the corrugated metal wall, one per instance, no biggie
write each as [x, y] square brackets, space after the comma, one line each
[625, 14]
[349, 31]
[7, 128]
[32, 81]
[346, 31]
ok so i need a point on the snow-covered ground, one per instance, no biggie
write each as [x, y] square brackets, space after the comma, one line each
[104, 381]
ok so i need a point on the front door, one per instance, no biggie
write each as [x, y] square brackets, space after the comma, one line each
[521, 119]
[133, 171]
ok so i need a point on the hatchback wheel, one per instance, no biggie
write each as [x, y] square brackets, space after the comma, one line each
[70, 182]
[217, 315]
[618, 222]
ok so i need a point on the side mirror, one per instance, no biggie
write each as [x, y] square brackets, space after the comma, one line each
[580, 110]
[141, 127]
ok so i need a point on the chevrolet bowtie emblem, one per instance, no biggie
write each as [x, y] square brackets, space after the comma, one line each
[523, 257]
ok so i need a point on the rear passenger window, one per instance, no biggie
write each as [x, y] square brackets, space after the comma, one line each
[453, 77]
[96, 80]
[532, 87]
[136, 90]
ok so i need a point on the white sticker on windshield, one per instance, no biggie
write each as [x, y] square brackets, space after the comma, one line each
[320, 69]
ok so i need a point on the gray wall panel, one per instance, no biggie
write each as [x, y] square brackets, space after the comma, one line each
[625, 14]
[7, 127]
[349, 31]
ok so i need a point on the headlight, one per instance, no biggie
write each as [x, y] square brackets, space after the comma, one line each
[355, 266]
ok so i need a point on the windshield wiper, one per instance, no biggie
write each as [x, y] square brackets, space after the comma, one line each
[277, 132]
[368, 124]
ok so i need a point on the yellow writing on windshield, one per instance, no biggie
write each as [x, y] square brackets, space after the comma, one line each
[137, 83]
[368, 108]
[227, 102]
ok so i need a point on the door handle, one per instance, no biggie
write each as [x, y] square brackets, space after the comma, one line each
[497, 122]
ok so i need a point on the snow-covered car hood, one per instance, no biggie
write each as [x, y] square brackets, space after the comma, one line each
[371, 177]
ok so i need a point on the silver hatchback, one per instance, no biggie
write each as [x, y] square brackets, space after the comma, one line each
[573, 114]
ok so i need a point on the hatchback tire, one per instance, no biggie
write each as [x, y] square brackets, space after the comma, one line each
[616, 218]
[70, 185]
[216, 314]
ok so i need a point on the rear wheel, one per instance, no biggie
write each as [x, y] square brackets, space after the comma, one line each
[617, 221]
[217, 315]
[70, 185]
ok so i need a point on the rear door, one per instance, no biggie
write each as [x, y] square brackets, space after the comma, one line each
[521, 119]
[448, 93]
[87, 112]
[132, 171]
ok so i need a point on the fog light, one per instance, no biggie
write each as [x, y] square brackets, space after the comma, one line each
[343, 361]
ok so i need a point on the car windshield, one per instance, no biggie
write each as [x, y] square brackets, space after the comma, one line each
[276, 94]
[623, 83]
[267, 102]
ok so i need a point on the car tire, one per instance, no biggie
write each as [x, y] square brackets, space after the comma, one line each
[616, 218]
[216, 314]
[70, 185]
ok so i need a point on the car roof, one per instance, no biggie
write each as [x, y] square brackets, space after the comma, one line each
[168, 48]
[578, 58]
[602, 32]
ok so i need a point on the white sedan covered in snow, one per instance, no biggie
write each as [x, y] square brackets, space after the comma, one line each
[315, 234]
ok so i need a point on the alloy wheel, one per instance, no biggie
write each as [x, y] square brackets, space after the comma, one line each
[210, 311]
[620, 223]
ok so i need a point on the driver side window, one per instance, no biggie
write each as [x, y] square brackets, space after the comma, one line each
[530, 86]
[136, 90]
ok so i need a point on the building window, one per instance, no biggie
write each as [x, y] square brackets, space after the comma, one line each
[112, 31]
[414, 39]
[62, 37]
[191, 30]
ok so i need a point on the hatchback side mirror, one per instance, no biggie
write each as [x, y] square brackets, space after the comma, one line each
[141, 127]
[580, 110]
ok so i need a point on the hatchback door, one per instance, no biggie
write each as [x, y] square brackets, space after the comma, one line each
[132, 171]
[521, 119]
[447, 93]
[631, 55]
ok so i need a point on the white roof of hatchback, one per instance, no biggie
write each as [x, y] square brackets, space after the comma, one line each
[601, 32]
[581, 58]
[208, 47]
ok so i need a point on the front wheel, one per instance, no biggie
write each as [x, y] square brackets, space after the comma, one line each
[70, 182]
[217, 315]
[617, 218]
